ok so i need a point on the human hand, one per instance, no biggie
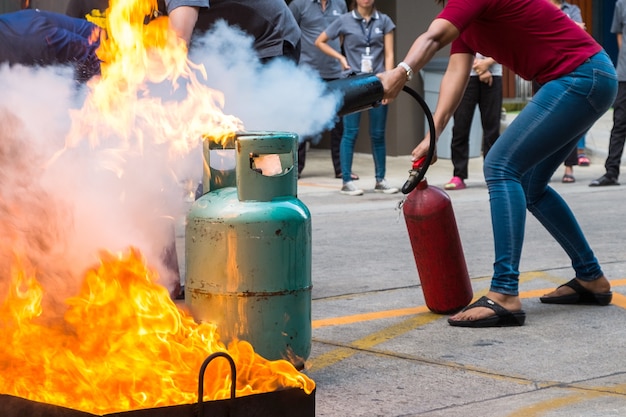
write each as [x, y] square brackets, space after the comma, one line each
[481, 65]
[344, 63]
[392, 81]
[422, 149]
[486, 77]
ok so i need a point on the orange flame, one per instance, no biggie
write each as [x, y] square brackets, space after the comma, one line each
[122, 345]
[136, 56]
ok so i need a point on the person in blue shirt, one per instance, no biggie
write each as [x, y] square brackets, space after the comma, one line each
[368, 38]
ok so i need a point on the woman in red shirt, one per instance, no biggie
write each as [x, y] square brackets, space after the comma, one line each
[579, 83]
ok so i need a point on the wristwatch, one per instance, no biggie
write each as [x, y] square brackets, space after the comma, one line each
[408, 69]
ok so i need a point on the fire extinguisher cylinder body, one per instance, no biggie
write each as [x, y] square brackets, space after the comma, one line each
[437, 249]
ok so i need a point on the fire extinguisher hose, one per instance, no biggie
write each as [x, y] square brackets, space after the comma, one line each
[419, 168]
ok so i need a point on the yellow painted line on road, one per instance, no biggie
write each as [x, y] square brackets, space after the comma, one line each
[618, 300]
[337, 355]
[356, 318]
[542, 408]
[580, 394]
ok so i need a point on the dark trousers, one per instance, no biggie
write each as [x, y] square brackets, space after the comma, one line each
[489, 100]
[335, 141]
[572, 158]
[618, 133]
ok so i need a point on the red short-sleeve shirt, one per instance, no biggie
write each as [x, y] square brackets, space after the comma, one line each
[533, 38]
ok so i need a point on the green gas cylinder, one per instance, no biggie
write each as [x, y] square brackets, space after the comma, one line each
[248, 252]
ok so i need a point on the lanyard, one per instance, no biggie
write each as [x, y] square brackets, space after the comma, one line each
[368, 35]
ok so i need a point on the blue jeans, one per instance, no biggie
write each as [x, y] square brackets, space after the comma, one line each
[378, 122]
[520, 164]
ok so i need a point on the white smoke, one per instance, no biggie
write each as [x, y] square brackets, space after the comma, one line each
[278, 96]
[60, 206]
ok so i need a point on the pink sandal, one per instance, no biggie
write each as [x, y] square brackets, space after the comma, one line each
[583, 161]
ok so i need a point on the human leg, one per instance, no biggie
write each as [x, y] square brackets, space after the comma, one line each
[570, 161]
[378, 123]
[348, 139]
[518, 169]
[490, 106]
[459, 144]
[583, 160]
[335, 149]
[618, 134]
[525, 161]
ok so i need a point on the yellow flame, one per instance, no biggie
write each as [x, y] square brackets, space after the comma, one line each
[122, 345]
[136, 56]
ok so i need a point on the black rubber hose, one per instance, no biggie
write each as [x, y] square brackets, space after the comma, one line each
[416, 175]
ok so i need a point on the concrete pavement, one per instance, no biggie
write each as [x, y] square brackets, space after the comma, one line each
[378, 351]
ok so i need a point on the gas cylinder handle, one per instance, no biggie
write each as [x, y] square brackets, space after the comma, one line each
[233, 384]
[419, 168]
[254, 186]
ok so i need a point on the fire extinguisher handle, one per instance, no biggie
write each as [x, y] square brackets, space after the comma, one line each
[414, 177]
[419, 163]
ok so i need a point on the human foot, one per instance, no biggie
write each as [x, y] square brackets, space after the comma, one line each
[577, 291]
[494, 310]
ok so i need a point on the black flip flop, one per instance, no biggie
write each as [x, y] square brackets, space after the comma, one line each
[502, 318]
[580, 296]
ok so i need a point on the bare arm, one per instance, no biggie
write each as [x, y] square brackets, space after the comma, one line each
[322, 43]
[619, 41]
[183, 20]
[439, 34]
[451, 92]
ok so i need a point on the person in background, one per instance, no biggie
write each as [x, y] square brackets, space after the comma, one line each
[536, 41]
[42, 38]
[313, 16]
[577, 156]
[618, 131]
[368, 37]
[484, 89]
[276, 32]
[270, 22]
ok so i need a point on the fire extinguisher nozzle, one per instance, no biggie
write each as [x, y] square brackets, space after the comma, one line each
[408, 186]
[412, 181]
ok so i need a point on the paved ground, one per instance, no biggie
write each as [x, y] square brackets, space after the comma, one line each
[378, 351]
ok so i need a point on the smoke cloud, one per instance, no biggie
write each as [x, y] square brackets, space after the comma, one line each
[72, 186]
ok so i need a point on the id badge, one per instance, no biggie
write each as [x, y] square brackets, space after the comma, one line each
[367, 64]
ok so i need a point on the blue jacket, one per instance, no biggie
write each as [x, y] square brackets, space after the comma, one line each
[34, 37]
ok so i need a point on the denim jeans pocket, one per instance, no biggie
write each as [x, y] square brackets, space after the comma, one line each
[603, 90]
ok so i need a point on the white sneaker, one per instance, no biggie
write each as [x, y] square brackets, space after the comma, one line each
[383, 186]
[350, 189]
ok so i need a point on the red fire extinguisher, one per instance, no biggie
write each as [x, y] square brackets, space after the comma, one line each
[427, 210]
[437, 247]
[434, 234]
